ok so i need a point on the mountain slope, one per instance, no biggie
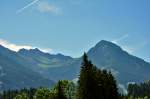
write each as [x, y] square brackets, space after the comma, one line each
[14, 75]
[42, 62]
[126, 67]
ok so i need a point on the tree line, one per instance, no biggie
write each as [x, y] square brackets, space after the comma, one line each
[139, 91]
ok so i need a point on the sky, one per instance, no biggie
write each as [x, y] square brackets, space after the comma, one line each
[71, 27]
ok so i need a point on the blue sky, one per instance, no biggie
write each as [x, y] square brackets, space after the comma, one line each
[73, 26]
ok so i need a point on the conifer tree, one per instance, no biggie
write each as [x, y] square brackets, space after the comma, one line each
[60, 93]
[86, 81]
[94, 83]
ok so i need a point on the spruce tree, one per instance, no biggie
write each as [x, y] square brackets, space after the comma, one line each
[86, 87]
[94, 83]
[113, 91]
[60, 92]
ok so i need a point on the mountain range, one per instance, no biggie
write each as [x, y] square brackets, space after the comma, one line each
[34, 68]
[14, 73]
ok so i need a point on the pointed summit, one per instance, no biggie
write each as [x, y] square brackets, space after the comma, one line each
[108, 55]
[103, 44]
[105, 48]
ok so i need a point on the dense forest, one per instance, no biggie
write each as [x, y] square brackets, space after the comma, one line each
[93, 83]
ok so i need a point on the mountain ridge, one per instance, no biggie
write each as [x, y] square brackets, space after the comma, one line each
[15, 75]
[105, 55]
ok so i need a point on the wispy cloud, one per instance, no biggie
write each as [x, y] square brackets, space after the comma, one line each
[27, 6]
[45, 7]
[128, 49]
[120, 38]
[124, 47]
[122, 89]
[16, 48]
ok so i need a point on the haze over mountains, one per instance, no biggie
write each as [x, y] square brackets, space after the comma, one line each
[32, 68]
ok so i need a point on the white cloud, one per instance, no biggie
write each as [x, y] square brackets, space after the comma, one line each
[75, 80]
[16, 48]
[124, 47]
[47, 50]
[122, 89]
[42, 6]
[120, 38]
[128, 49]
[27, 6]
[45, 7]
[114, 72]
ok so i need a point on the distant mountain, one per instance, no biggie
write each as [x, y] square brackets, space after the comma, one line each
[45, 60]
[14, 73]
[105, 55]
[45, 63]
[126, 67]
